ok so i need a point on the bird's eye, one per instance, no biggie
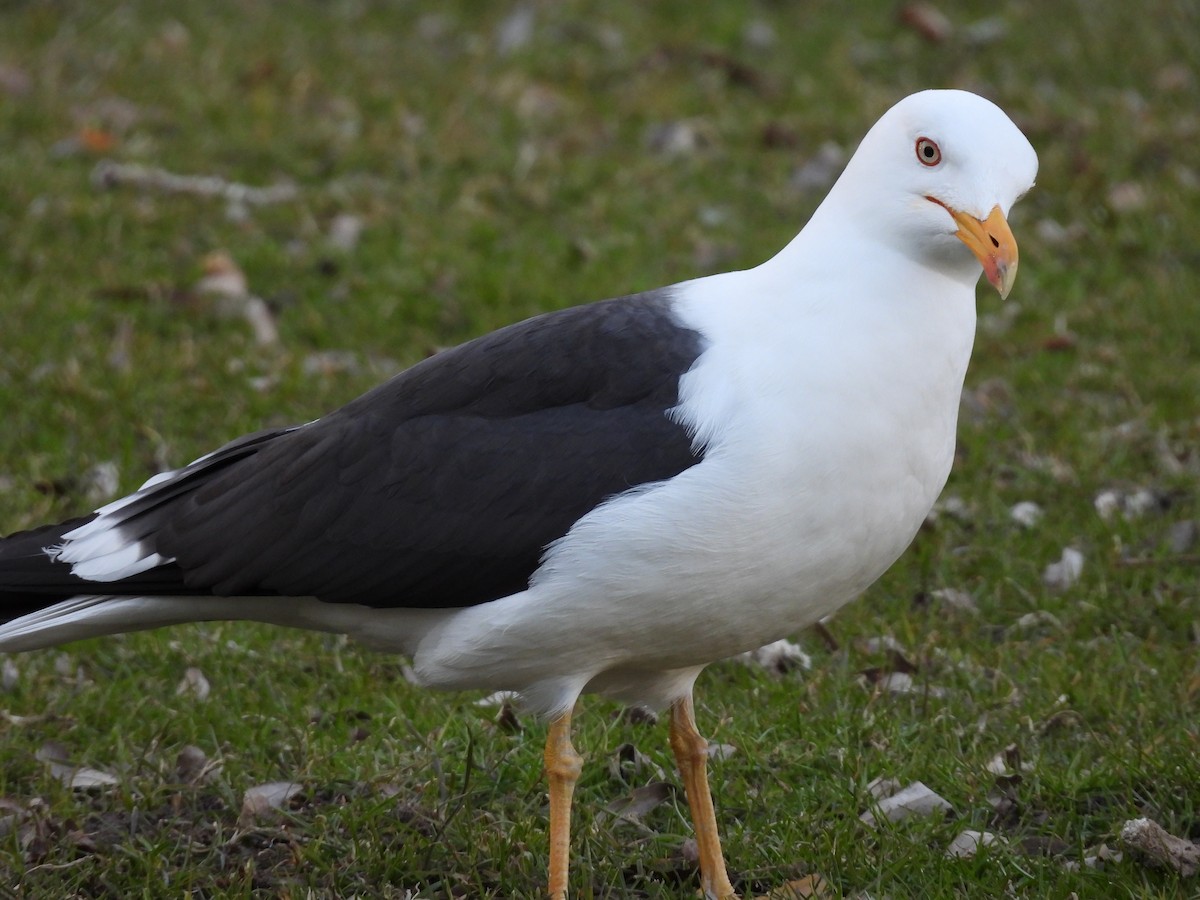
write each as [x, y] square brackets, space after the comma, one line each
[928, 152]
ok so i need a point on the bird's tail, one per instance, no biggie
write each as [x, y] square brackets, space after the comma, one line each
[42, 603]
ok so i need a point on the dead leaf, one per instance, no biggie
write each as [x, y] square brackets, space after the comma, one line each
[96, 140]
[1026, 513]
[881, 644]
[635, 805]
[967, 843]
[956, 599]
[1006, 762]
[78, 778]
[629, 762]
[1127, 197]
[1061, 575]
[1159, 848]
[779, 657]
[194, 766]
[720, 751]
[193, 684]
[916, 799]
[883, 787]
[259, 801]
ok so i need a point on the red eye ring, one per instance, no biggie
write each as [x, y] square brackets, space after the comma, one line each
[928, 152]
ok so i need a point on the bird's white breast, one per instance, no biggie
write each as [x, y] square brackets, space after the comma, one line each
[828, 432]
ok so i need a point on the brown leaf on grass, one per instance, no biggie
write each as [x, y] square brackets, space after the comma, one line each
[883, 787]
[1006, 762]
[226, 283]
[262, 800]
[1159, 848]
[917, 799]
[96, 140]
[1005, 801]
[967, 843]
[193, 765]
[76, 777]
[637, 803]
[720, 751]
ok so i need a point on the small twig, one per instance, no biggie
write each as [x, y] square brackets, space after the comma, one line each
[109, 174]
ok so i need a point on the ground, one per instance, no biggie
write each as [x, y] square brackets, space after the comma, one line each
[448, 168]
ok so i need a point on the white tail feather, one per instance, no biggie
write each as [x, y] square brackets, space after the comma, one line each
[90, 616]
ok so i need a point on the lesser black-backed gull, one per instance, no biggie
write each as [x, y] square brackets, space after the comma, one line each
[604, 499]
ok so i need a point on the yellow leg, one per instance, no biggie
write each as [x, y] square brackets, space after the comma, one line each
[563, 766]
[691, 755]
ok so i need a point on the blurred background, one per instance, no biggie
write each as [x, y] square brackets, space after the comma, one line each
[217, 217]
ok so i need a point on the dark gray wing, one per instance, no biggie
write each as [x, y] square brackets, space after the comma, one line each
[443, 486]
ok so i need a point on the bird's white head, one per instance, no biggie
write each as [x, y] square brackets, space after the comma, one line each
[940, 170]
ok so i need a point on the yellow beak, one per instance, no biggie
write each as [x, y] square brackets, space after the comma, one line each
[992, 242]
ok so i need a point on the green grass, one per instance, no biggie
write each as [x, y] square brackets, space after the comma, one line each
[495, 185]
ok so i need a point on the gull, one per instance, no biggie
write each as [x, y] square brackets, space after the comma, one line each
[604, 499]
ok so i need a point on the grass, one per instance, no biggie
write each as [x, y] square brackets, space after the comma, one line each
[493, 182]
